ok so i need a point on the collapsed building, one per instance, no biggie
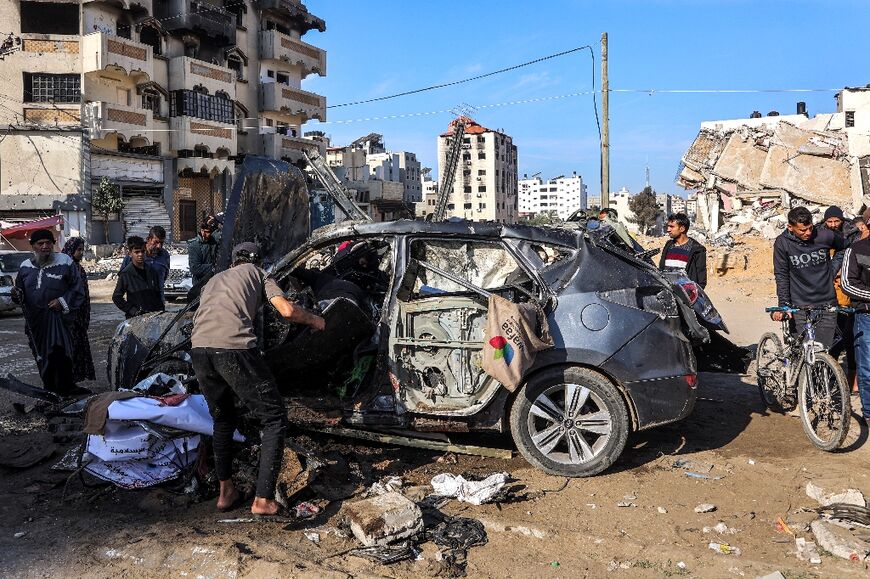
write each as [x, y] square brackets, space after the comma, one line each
[749, 172]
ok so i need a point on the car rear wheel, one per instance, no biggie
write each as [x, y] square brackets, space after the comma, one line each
[570, 422]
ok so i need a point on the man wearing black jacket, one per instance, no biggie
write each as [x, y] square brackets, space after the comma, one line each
[138, 289]
[855, 277]
[802, 269]
[682, 252]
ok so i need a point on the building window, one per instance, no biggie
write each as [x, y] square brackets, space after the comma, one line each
[467, 189]
[466, 172]
[151, 100]
[481, 171]
[481, 155]
[481, 139]
[450, 206]
[58, 88]
[466, 140]
[481, 205]
[481, 189]
[150, 36]
[283, 78]
[850, 119]
[49, 17]
[187, 218]
[466, 156]
[191, 103]
[235, 64]
[124, 30]
[468, 205]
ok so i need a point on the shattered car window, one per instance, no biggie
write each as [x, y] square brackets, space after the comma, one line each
[485, 265]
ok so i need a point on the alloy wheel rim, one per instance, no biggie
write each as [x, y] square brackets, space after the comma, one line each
[569, 424]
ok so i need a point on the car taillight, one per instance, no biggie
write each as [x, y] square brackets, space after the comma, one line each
[691, 380]
[691, 290]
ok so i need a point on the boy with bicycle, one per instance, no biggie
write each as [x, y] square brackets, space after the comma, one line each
[855, 279]
[802, 269]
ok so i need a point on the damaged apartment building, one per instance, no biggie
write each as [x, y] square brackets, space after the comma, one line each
[161, 97]
[384, 183]
[749, 172]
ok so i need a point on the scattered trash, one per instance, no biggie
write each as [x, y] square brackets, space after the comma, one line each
[237, 521]
[839, 541]
[846, 512]
[312, 536]
[681, 565]
[774, 575]
[825, 498]
[705, 508]
[474, 492]
[305, 510]
[592, 505]
[662, 510]
[724, 548]
[625, 504]
[387, 485]
[386, 554]
[458, 533]
[720, 528]
[752, 462]
[630, 497]
[384, 519]
[554, 564]
[701, 476]
[684, 464]
[19, 534]
[806, 551]
[782, 527]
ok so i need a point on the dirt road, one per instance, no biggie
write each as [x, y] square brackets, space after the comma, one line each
[758, 465]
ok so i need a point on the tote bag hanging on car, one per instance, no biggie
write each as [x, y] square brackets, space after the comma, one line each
[512, 339]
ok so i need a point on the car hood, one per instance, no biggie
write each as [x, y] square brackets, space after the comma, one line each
[269, 205]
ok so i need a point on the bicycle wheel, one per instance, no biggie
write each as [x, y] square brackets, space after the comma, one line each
[770, 375]
[826, 408]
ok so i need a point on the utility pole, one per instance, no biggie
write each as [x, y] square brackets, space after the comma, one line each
[605, 126]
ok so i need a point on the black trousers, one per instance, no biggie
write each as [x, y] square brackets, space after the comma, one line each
[57, 375]
[825, 328]
[846, 327]
[225, 375]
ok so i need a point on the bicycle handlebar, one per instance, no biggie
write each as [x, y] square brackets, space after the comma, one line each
[792, 310]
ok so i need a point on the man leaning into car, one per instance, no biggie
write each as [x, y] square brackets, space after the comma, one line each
[228, 365]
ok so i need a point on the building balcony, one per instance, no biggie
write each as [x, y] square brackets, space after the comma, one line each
[281, 98]
[186, 73]
[102, 118]
[288, 148]
[190, 133]
[101, 51]
[198, 17]
[296, 12]
[277, 46]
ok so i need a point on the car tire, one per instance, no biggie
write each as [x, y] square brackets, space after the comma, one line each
[565, 443]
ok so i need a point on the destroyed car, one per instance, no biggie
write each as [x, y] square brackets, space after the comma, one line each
[10, 262]
[404, 337]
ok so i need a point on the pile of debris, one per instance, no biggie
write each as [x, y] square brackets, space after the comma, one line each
[749, 175]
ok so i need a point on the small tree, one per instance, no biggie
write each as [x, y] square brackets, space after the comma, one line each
[545, 218]
[105, 200]
[644, 209]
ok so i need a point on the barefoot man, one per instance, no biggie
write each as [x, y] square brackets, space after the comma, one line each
[228, 365]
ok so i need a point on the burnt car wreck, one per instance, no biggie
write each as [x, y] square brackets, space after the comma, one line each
[406, 305]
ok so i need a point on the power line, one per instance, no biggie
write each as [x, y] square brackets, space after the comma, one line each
[465, 80]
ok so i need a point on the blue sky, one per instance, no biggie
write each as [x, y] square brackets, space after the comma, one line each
[381, 47]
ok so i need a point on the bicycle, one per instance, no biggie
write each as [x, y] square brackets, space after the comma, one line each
[798, 371]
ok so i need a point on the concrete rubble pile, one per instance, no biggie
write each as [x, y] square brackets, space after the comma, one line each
[749, 175]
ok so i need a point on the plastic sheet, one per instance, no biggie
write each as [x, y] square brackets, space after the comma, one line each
[474, 492]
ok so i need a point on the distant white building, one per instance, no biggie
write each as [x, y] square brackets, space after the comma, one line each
[563, 195]
[678, 204]
[619, 201]
[429, 194]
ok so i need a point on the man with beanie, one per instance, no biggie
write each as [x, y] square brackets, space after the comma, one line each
[228, 366]
[49, 288]
[802, 269]
[855, 277]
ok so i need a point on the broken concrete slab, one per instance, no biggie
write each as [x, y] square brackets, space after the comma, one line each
[839, 541]
[741, 161]
[384, 519]
[829, 492]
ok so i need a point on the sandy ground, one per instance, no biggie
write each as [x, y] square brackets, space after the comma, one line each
[570, 528]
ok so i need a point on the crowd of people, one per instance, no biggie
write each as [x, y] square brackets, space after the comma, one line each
[52, 288]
